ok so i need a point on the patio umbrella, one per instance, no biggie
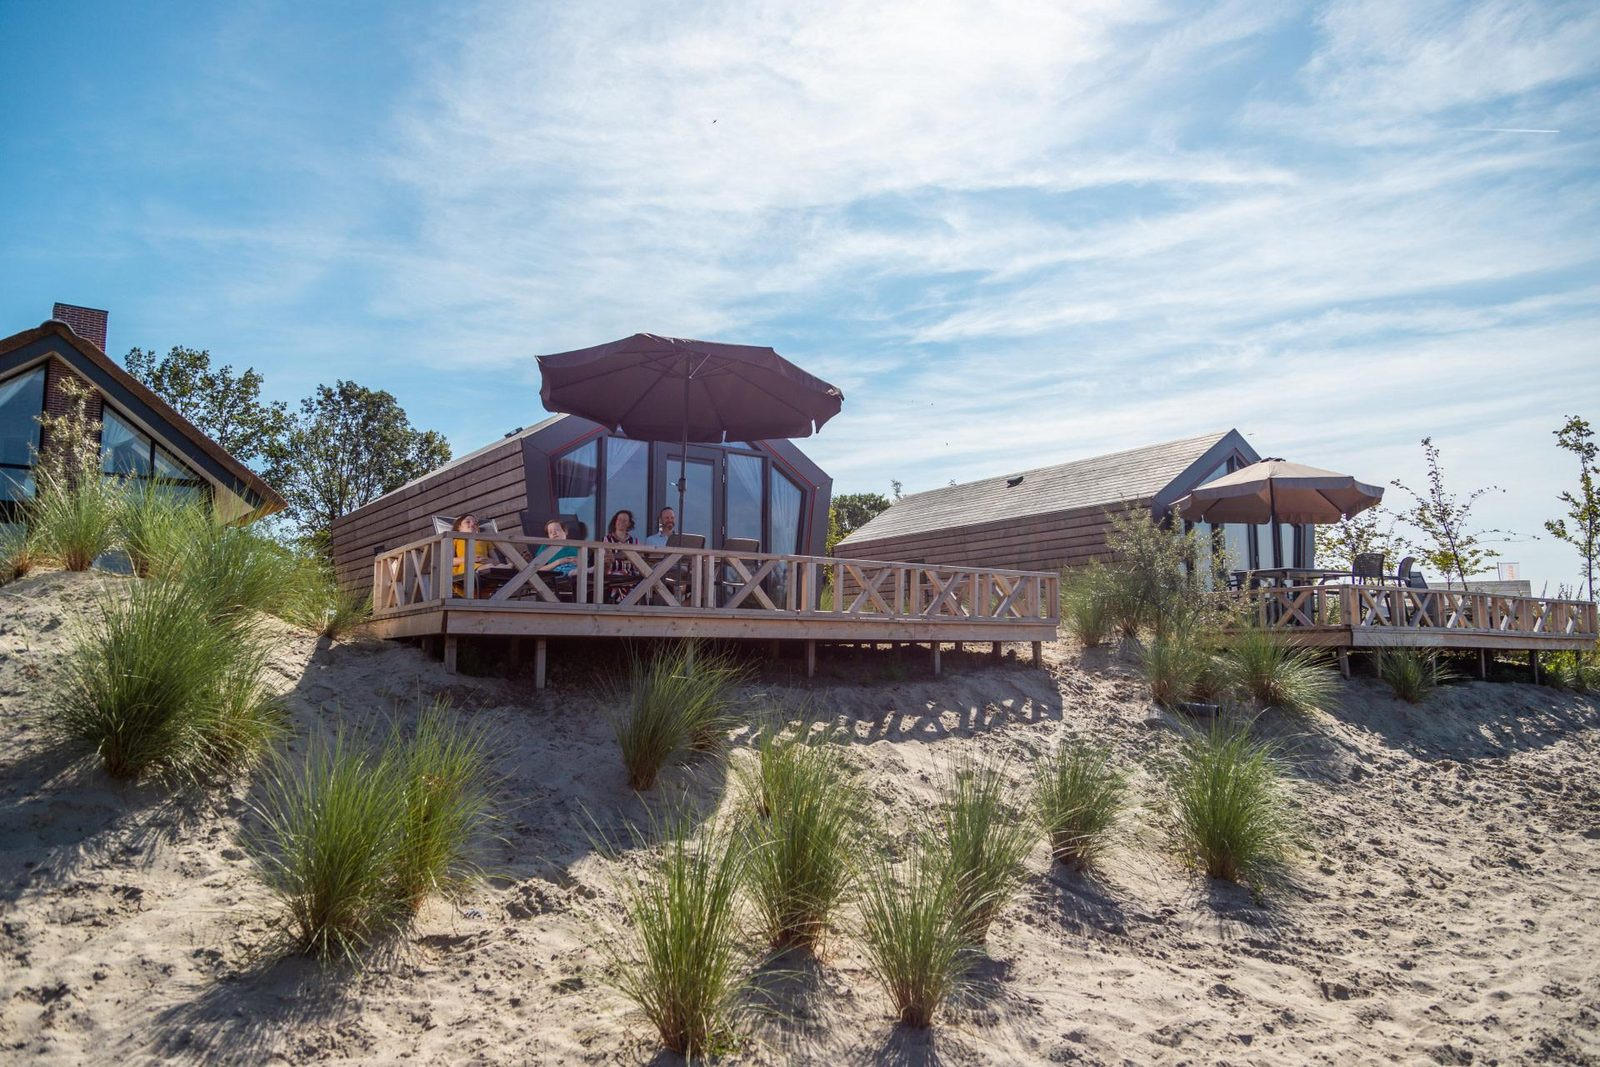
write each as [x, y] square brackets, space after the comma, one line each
[1275, 489]
[670, 388]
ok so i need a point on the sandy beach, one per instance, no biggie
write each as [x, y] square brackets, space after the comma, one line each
[1442, 909]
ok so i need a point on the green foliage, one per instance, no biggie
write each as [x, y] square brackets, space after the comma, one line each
[912, 934]
[1228, 806]
[985, 840]
[1339, 543]
[1451, 547]
[1155, 573]
[1580, 526]
[1086, 608]
[225, 406]
[155, 527]
[354, 840]
[802, 831]
[73, 520]
[673, 701]
[236, 569]
[19, 553]
[1578, 672]
[683, 963]
[1264, 667]
[153, 685]
[314, 600]
[851, 511]
[1412, 673]
[346, 446]
[1078, 795]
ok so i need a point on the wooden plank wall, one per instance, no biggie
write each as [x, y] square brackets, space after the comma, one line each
[492, 486]
[1039, 543]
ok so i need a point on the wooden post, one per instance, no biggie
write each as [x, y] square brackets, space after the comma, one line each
[514, 654]
[688, 658]
[935, 646]
[772, 649]
[450, 653]
[1038, 653]
[811, 659]
[1344, 663]
[960, 647]
[1483, 664]
[538, 663]
[997, 651]
[1533, 665]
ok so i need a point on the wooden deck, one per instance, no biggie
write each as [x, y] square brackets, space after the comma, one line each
[700, 593]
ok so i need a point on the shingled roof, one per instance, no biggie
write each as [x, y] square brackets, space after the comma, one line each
[1139, 473]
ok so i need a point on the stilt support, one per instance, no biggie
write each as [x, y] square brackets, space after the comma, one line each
[450, 653]
[1533, 665]
[1483, 664]
[997, 651]
[538, 663]
[960, 647]
[1344, 663]
[811, 659]
[936, 665]
[1038, 653]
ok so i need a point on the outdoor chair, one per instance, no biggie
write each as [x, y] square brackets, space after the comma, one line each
[486, 583]
[1368, 566]
[677, 579]
[728, 581]
[1402, 574]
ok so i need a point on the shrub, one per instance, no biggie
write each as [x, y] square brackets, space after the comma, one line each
[73, 518]
[1263, 666]
[1412, 673]
[1078, 796]
[912, 934]
[682, 963]
[155, 527]
[329, 848]
[1228, 804]
[802, 831]
[1155, 567]
[314, 601]
[236, 570]
[985, 842]
[1086, 608]
[1570, 670]
[151, 684]
[673, 701]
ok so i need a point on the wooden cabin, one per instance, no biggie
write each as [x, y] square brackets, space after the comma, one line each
[766, 491]
[141, 436]
[1059, 516]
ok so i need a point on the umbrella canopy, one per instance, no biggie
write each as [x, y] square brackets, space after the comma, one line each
[1275, 489]
[670, 388]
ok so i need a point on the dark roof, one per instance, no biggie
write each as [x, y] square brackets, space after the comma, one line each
[99, 362]
[1138, 474]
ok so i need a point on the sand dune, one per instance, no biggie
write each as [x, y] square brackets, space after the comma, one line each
[1442, 911]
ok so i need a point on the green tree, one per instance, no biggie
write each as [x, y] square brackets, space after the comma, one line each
[1450, 545]
[1339, 543]
[857, 509]
[1583, 507]
[347, 446]
[224, 405]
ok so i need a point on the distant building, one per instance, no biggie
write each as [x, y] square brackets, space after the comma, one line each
[141, 437]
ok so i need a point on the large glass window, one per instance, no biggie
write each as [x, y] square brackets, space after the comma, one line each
[576, 485]
[21, 402]
[123, 449]
[628, 483]
[785, 498]
[744, 496]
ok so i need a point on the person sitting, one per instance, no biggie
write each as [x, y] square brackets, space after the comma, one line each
[666, 525]
[482, 552]
[620, 573]
[565, 560]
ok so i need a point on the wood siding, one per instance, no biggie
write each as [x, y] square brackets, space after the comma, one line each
[1041, 542]
[491, 486]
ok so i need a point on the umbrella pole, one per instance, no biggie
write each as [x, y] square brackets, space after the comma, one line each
[683, 460]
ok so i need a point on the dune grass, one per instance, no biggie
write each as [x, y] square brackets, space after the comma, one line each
[1178, 668]
[1085, 605]
[73, 520]
[682, 960]
[1078, 796]
[18, 553]
[1412, 673]
[802, 828]
[443, 768]
[1228, 804]
[678, 699]
[236, 569]
[154, 526]
[913, 933]
[152, 685]
[985, 841]
[313, 600]
[1265, 668]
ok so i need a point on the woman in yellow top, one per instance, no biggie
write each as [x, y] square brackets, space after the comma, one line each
[466, 524]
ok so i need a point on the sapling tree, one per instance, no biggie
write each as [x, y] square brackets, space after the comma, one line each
[1451, 545]
[1339, 543]
[1580, 526]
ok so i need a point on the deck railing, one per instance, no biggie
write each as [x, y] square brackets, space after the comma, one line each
[517, 573]
[1379, 606]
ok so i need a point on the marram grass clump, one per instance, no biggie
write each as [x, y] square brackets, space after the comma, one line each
[1228, 804]
[914, 933]
[985, 841]
[1412, 673]
[1267, 669]
[677, 700]
[1078, 796]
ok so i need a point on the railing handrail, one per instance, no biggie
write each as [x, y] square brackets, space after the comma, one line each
[1373, 606]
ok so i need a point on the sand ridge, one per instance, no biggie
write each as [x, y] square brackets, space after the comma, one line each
[1442, 910]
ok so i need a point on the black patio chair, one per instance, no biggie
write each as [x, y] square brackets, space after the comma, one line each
[728, 580]
[1367, 566]
[1402, 574]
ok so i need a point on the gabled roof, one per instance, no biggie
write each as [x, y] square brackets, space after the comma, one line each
[126, 391]
[1137, 474]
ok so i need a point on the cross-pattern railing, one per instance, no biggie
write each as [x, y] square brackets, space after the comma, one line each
[454, 570]
[1391, 607]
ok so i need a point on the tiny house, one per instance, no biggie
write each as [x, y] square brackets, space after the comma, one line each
[766, 491]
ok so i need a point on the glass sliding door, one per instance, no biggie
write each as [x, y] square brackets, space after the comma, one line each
[627, 485]
[744, 506]
[701, 506]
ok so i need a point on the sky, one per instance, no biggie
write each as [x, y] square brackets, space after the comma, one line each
[1013, 234]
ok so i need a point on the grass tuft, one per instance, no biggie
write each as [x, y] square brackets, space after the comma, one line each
[237, 570]
[314, 601]
[155, 525]
[1264, 667]
[682, 962]
[1229, 808]
[1079, 795]
[985, 841]
[673, 701]
[802, 831]
[1086, 609]
[1412, 673]
[912, 934]
[74, 520]
[443, 768]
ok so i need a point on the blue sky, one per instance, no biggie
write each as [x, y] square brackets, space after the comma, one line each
[1013, 234]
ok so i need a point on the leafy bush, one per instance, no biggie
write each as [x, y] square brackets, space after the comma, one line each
[1263, 666]
[73, 518]
[802, 832]
[1412, 673]
[151, 685]
[1086, 607]
[682, 963]
[1570, 670]
[985, 841]
[1228, 802]
[356, 840]
[1078, 795]
[912, 934]
[673, 701]
[1155, 568]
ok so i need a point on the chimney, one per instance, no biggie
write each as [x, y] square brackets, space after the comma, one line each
[87, 323]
